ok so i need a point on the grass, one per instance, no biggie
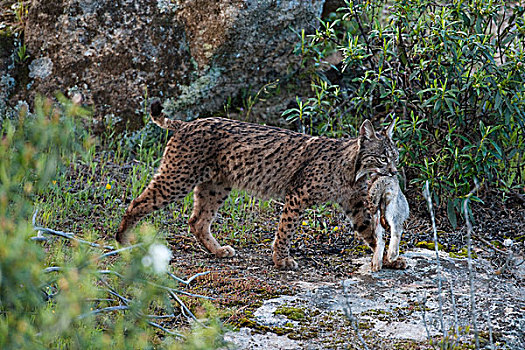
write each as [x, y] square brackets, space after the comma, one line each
[90, 195]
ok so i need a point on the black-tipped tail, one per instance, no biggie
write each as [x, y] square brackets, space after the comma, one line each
[158, 117]
[156, 108]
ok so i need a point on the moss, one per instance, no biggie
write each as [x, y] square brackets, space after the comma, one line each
[292, 313]
[429, 245]
[362, 249]
[381, 315]
[407, 345]
[462, 254]
[365, 325]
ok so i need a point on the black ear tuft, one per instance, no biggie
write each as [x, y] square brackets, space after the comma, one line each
[156, 108]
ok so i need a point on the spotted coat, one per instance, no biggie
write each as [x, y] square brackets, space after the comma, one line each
[212, 156]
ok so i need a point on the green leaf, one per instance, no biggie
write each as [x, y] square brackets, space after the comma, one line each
[451, 213]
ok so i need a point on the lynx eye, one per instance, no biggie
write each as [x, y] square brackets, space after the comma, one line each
[383, 159]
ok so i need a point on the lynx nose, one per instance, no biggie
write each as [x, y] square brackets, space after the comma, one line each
[392, 170]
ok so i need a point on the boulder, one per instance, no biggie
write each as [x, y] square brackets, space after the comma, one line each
[196, 53]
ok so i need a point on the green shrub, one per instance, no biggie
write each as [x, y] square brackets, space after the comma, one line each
[453, 73]
[61, 293]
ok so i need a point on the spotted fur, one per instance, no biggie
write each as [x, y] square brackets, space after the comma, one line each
[212, 156]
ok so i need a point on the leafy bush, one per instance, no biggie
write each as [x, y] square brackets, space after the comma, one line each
[453, 74]
[72, 295]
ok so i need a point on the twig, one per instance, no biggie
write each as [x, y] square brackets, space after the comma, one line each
[117, 251]
[469, 261]
[426, 194]
[171, 291]
[104, 309]
[188, 281]
[348, 312]
[491, 340]
[423, 316]
[166, 330]
[492, 246]
[68, 235]
[185, 311]
[456, 324]
[52, 269]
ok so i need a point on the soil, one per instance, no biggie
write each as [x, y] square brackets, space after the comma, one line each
[327, 256]
[243, 286]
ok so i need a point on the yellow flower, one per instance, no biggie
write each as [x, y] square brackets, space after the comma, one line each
[108, 187]
[54, 182]
[305, 223]
[335, 228]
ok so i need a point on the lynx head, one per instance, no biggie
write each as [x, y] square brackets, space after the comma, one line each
[378, 155]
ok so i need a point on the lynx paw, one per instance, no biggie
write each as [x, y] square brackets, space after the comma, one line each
[285, 264]
[225, 252]
[398, 264]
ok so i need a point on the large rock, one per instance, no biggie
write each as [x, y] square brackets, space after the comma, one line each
[197, 53]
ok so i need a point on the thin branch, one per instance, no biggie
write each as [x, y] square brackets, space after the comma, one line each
[491, 340]
[188, 281]
[469, 260]
[185, 311]
[117, 251]
[52, 269]
[455, 310]
[68, 235]
[104, 309]
[428, 197]
[172, 292]
[423, 301]
[349, 314]
[166, 330]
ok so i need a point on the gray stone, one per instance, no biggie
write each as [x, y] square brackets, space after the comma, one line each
[196, 53]
[393, 307]
[41, 68]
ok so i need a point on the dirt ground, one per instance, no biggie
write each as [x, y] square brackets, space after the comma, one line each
[308, 308]
[328, 255]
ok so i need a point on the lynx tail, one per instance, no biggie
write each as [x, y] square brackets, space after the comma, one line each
[160, 119]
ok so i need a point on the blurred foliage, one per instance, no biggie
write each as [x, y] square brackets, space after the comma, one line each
[452, 73]
[62, 294]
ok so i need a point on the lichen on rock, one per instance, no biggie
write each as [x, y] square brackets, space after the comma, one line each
[196, 53]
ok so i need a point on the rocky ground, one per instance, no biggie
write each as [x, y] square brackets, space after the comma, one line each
[335, 301]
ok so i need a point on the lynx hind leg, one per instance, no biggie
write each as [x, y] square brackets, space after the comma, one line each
[283, 238]
[208, 198]
[159, 192]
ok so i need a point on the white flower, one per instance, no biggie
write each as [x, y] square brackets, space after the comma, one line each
[159, 256]
[508, 242]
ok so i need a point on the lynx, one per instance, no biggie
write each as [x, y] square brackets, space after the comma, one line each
[213, 155]
[389, 210]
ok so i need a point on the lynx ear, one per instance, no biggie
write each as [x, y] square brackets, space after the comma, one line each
[390, 130]
[367, 130]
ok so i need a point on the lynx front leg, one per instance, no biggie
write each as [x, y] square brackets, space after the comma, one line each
[371, 232]
[208, 198]
[284, 235]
